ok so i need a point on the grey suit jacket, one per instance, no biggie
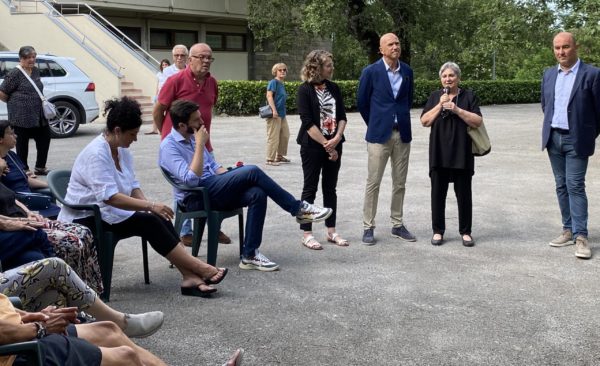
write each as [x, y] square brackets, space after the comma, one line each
[583, 111]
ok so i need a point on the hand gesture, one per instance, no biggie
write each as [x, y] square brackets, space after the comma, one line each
[59, 319]
[333, 155]
[21, 224]
[162, 210]
[444, 98]
[331, 144]
[201, 135]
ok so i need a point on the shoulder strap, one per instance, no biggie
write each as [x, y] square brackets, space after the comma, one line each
[32, 83]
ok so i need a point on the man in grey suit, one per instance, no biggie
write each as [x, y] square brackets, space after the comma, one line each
[571, 106]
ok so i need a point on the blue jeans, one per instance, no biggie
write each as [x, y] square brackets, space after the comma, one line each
[569, 173]
[247, 186]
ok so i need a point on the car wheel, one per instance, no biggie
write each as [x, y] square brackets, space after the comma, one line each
[67, 120]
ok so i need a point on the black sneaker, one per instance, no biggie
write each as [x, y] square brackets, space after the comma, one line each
[368, 237]
[403, 233]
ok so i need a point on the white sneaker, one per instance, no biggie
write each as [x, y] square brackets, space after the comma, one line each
[258, 262]
[143, 325]
[312, 213]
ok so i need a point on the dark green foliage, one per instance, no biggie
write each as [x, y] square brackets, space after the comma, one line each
[244, 97]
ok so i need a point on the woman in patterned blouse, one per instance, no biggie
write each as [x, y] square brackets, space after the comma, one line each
[323, 120]
[25, 109]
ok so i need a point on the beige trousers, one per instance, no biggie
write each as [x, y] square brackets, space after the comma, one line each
[379, 154]
[278, 135]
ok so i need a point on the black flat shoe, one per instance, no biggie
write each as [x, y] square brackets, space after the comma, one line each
[195, 291]
[209, 281]
[468, 243]
[437, 242]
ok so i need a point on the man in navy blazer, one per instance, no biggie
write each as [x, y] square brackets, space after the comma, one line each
[571, 105]
[385, 96]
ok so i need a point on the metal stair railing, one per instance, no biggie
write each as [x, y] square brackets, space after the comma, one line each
[85, 9]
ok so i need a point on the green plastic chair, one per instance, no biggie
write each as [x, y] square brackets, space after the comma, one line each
[200, 218]
[105, 241]
[32, 350]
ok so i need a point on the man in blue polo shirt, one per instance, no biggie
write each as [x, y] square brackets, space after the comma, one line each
[184, 155]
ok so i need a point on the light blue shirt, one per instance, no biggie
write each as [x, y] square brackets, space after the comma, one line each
[562, 93]
[395, 78]
[175, 156]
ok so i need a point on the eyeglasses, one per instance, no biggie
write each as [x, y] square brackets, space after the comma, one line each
[209, 59]
[179, 55]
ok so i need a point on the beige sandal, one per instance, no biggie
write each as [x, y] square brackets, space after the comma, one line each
[273, 163]
[311, 243]
[336, 239]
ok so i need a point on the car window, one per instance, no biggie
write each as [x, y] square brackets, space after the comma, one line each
[56, 69]
[42, 65]
[6, 65]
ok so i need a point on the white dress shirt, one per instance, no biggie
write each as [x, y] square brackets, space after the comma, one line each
[95, 179]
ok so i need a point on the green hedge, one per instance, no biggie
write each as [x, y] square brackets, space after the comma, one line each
[244, 97]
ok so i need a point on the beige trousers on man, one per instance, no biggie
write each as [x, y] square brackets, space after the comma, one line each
[379, 154]
[278, 135]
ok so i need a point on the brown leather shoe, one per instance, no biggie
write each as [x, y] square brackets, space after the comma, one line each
[187, 240]
[224, 239]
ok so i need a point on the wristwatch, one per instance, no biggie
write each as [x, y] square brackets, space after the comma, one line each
[41, 330]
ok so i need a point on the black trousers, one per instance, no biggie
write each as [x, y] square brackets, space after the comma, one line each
[159, 232]
[440, 179]
[315, 162]
[41, 136]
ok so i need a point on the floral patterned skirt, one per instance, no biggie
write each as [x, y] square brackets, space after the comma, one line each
[74, 243]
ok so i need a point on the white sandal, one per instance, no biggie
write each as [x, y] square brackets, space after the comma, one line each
[336, 239]
[311, 243]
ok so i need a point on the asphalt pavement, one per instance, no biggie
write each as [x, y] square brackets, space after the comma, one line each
[510, 300]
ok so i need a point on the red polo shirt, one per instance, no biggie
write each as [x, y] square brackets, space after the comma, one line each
[183, 85]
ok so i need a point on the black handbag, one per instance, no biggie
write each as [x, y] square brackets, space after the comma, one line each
[34, 201]
[265, 111]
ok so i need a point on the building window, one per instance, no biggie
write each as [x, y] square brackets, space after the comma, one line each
[134, 33]
[226, 41]
[167, 38]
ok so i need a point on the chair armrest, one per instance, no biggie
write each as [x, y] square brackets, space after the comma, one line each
[30, 347]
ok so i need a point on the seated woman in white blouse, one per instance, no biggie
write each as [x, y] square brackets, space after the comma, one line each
[103, 175]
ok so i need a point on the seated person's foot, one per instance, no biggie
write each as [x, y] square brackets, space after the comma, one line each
[236, 358]
[224, 239]
[217, 277]
[258, 262]
[199, 289]
[186, 240]
[312, 213]
[143, 325]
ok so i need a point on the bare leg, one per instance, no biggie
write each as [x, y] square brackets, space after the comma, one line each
[193, 270]
[102, 312]
[110, 336]
[117, 356]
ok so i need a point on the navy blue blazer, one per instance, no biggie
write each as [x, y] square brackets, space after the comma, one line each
[377, 105]
[583, 111]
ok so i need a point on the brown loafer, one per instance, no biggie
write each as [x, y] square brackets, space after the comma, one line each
[186, 240]
[224, 239]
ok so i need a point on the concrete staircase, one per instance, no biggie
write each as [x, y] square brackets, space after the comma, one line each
[128, 89]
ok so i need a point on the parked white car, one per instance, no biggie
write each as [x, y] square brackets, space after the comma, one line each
[65, 85]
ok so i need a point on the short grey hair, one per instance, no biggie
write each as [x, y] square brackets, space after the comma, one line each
[180, 47]
[452, 66]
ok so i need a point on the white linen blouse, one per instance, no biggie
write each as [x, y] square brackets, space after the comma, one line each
[95, 179]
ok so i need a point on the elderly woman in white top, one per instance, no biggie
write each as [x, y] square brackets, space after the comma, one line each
[103, 174]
